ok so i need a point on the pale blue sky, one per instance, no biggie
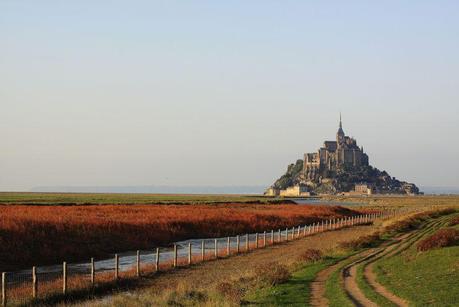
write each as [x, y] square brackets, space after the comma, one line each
[223, 93]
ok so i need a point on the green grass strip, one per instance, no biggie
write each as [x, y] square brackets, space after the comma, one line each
[369, 292]
[334, 288]
[296, 291]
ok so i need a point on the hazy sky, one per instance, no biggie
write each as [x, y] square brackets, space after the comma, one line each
[223, 92]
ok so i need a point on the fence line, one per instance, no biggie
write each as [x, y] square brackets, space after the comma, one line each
[12, 290]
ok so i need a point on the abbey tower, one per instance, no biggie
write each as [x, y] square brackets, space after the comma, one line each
[333, 156]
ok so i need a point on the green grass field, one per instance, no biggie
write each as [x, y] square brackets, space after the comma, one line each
[294, 292]
[131, 198]
[423, 278]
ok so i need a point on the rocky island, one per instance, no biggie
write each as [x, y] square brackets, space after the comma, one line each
[339, 167]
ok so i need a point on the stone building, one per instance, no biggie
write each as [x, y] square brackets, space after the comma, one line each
[333, 156]
[272, 192]
[363, 188]
[297, 190]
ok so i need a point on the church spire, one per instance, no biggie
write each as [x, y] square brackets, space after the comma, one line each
[340, 133]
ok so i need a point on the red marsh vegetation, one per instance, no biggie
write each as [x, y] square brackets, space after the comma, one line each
[442, 238]
[37, 235]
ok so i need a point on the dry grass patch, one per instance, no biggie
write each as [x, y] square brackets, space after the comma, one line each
[362, 242]
[311, 255]
[272, 273]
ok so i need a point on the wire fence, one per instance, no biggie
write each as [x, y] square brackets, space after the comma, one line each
[48, 283]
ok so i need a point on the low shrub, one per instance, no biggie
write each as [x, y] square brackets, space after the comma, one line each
[362, 242]
[454, 221]
[311, 255]
[442, 238]
[272, 274]
[177, 298]
[230, 291]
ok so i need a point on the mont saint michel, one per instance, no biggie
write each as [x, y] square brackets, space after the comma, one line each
[337, 167]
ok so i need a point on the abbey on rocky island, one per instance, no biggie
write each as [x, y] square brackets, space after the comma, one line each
[339, 166]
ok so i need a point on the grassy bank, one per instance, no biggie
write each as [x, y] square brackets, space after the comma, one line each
[423, 278]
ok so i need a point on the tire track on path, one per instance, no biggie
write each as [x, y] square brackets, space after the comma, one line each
[349, 273]
[392, 247]
[370, 276]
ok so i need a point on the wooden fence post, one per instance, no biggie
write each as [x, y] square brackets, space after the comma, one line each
[4, 289]
[157, 260]
[238, 240]
[117, 261]
[293, 233]
[203, 250]
[34, 282]
[272, 237]
[256, 240]
[279, 238]
[189, 253]
[264, 239]
[216, 249]
[228, 246]
[138, 264]
[175, 255]
[247, 242]
[93, 272]
[64, 277]
[286, 234]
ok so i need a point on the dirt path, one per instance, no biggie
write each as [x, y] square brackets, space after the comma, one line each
[352, 289]
[370, 277]
[350, 271]
[318, 285]
[404, 243]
